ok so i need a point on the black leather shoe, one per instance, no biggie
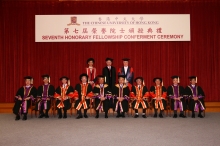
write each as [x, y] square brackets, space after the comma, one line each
[97, 116]
[85, 116]
[60, 116]
[175, 116]
[79, 117]
[17, 118]
[46, 116]
[41, 116]
[117, 116]
[182, 115]
[106, 116]
[155, 115]
[160, 115]
[24, 118]
[65, 116]
[136, 116]
[144, 116]
[200, 115]
[193, 116]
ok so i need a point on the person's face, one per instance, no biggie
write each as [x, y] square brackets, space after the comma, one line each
[84, 79]
[121, 80]
[193, 81]
[27, 82]
[175, 81]
[138, 81]
[101, 80]
[45, 80]
[157, 81]
[109, 63]
[64, 81]
[90, 63]
[125, 63]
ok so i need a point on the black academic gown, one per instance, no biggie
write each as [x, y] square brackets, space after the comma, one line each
[129, 74]
[66, 103]
[199, 92]
[21, 93]
[170, 92]
[50, 93]
[126, 92]
[107, 102]
[110, 76]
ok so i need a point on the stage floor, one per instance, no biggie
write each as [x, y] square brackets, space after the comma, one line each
[112, 131]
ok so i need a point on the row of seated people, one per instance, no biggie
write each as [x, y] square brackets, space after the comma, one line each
[105, 97]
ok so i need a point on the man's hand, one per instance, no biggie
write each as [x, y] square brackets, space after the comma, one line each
[27, 98]
[121, 98]
[195, 98]
[87, 97]
[66, 97]
[158, 98]
[19, 98]
[102, 98]
[48, 98]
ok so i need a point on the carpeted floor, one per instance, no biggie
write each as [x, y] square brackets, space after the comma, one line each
[111, 131]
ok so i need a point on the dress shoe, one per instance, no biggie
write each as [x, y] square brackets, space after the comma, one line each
[46, 116]
[79, 117]
[97, 116]
[200, 115]
[155, 115]
[160, 115]
[136, 116]
[17, 118]
[85, 116]
[144, 116]
[41, 116]
[182, 115]
[24, 118]
[106, 116]
[175, 116]
[118, 115]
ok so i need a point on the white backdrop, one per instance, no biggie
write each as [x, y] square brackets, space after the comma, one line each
[109, 28]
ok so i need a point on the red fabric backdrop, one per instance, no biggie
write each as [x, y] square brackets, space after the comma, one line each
[21, 56]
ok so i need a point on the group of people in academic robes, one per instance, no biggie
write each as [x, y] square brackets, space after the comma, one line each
[106, 92]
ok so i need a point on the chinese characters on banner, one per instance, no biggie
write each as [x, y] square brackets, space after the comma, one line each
[109, 28]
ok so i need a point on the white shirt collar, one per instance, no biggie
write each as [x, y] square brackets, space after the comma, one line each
[64, 85]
